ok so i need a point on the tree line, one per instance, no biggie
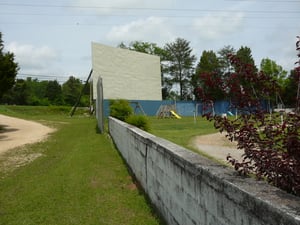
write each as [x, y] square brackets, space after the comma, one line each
[181, 75]
[34, 92]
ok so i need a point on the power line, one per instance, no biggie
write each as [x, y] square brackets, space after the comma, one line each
[45, 77]
[131, 15]
[260, 1]
[145, 8]
[179, 26]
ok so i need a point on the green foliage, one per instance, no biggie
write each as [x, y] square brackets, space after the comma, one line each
[36, 91]
[84, 100]
[120, 109]
[17, 95]
[139, 121]
[245, 57]
[27, 92]
[71, 90]
[209, 63]
[54, 92]
[180, 65]
[8, 69]
[216, 66]
[271, 68]
[276, 72]
[223, 53]
[290, 91]
[43, 93]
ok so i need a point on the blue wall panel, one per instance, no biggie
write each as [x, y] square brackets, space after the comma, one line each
[149, 107]
[183, 108]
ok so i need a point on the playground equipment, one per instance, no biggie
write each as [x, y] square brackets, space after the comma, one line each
[175, 114]
[167, 111]
[137, 107]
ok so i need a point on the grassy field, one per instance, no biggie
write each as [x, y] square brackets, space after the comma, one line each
[181, 131]
[79, 179]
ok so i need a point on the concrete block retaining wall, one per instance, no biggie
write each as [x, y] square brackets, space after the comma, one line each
[189, 189]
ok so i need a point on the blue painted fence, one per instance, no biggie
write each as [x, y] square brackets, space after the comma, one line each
[183, 108]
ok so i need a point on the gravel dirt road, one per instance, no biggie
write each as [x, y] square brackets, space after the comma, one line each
[16, 132]
[217, 146]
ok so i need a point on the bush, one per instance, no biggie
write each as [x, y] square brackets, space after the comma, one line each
[139, 121]
[271, 146]
[120, 109]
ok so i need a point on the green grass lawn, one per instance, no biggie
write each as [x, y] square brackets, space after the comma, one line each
[79, 179]
[181, 131]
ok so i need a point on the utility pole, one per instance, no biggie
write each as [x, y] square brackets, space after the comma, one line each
[82, 90]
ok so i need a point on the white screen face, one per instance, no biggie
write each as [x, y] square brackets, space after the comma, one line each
[126, 74]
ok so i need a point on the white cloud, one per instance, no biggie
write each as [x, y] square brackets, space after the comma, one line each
[152, 29]
[107, 6]
[30, 57]
[215, 26]
[281, 48]
[288, 57]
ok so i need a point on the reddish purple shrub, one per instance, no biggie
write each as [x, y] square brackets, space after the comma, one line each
[271, 143]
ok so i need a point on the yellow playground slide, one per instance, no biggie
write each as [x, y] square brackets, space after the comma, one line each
[175, 114]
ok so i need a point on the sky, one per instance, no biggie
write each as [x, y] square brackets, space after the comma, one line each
[52, 39]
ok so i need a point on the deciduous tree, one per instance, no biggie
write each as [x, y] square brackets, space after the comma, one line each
[277, 73]
[18, 94]
[8, 69]
[209, 65]
[71, 90]
[54, 92]
[289, 95]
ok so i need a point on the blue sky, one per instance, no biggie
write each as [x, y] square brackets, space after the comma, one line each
[53, 38]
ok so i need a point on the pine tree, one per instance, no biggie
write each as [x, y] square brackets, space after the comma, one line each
[180, 68]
